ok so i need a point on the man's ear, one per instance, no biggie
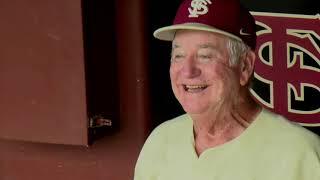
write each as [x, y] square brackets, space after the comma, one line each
[246, 67]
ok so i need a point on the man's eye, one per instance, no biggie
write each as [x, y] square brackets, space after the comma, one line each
[177, 57]
[204, 57]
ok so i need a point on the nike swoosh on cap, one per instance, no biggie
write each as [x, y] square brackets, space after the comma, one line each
[243, 33]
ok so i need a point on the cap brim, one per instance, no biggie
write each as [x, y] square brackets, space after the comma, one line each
[167, 33]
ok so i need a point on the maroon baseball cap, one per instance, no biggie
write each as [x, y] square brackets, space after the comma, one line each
[227, 17]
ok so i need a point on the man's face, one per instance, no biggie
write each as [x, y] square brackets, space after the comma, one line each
[201, 77]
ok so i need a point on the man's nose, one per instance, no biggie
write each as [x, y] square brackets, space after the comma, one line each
[190, 68]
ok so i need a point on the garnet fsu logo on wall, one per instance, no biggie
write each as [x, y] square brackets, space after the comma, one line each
[287, 78]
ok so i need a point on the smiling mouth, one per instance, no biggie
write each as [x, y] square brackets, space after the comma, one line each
[194, 88]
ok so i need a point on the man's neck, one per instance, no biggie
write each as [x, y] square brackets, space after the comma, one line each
[211, 130]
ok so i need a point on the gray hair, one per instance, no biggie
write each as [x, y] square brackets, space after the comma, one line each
[236, 50]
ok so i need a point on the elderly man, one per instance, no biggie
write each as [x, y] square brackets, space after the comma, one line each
[225, 134]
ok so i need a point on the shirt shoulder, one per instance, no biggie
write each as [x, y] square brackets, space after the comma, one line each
[171, 126]
[292, 134]
[153, 155]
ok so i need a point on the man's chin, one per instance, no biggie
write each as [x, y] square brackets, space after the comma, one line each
[194, 110]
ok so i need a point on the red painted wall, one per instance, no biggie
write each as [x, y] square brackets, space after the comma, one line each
[112, 157]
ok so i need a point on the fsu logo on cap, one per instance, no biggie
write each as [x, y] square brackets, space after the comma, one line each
[287, 66]
[226, 17]
[198, 7]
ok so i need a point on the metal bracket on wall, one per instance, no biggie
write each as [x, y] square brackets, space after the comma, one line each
[98, 126]
[99, 121]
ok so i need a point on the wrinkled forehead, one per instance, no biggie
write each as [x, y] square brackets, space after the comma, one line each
[201, 39]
